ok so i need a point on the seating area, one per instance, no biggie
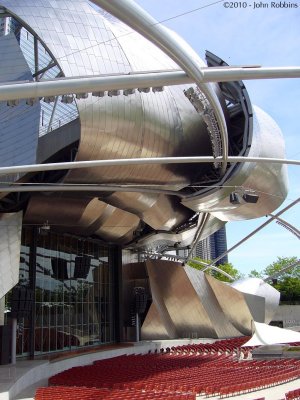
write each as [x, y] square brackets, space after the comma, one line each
[293, 395]
[179, 372]
[86, 393]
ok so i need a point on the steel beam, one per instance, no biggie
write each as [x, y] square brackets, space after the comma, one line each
[139, 161]
[60, 86]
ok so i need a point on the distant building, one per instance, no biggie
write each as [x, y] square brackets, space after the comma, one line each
[213, 246]
[8, 25]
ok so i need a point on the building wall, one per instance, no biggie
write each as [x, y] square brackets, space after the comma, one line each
[73, 281]
[213, 246]
[289, 315]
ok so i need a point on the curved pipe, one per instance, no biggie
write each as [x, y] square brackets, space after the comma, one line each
[138, 161]
[272, 218]
[282, 271]
[291, 228]
[61, 86]
[176, 48]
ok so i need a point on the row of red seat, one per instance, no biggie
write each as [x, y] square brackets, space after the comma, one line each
[182, 371]
[222, 346]
[293, 394]
[174, 373]
[87, 393]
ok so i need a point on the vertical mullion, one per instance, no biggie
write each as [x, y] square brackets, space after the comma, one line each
[32, 285]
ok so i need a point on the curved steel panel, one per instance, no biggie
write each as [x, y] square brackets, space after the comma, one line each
[187, 302]
[211, 303]
[83, 216]
[19, 123]
[269, 181]
[158, 211]
[183, 238]
[233, 305]
[10, 248]
[140, 125]
[84, 41]
[153, 327]
[173, 292]
[258, 287]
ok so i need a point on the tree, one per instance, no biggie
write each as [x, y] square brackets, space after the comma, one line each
[255, 274]
[226, 267]
[280, 264]
[287, 283]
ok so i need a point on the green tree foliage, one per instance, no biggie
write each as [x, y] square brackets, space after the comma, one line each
[280, 264]
[255, 274]
[226, 267]
[288, 283]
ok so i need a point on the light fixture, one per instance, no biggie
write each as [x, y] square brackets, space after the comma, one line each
[100, 93]
[250, 197]
[144, 90]
[82, 95]
[12, 103]
[43, 230]
[112, 93]
[157, 89]
[31, 101]
[67, 98]
[49, 99]
[127, 92]
[241, 195]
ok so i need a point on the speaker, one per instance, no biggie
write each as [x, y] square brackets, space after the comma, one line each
[82, 267]
[139, 300]
[21, 302]
[5, 344]
[59, 268]
[250, 198]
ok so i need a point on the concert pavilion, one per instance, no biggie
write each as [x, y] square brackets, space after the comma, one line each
[115, 154]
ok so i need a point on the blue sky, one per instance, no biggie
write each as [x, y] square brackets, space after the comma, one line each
[243, 36]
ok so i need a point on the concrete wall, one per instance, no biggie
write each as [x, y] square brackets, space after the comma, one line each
[289, 315]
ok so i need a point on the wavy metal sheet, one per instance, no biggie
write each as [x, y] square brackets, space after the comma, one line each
[176, 300]
[19, 123]
[211, 302]
[85, 42]
[84, 216]
[233, 305]
[258, 287]
[10, 248]
[189, 303]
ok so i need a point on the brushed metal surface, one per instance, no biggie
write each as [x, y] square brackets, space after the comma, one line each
[153, 327]
[19, 123]
[158, 211]
[211, 302]
[269, 181]
[85, 216]
[140, 125]
[85, 41]
[176, 300]
[233, 305]
[260, 288]
[10, 248]
[189, 303]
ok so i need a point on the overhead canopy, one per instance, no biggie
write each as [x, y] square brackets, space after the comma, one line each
[265, 334]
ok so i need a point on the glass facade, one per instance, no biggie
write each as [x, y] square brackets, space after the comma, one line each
[73, 280]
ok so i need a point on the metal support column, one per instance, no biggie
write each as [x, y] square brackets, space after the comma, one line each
[32, 284]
